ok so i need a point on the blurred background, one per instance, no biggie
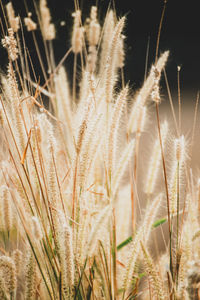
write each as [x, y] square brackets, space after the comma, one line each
[180, 34]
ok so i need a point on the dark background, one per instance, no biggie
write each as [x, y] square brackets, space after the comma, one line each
[180, 34]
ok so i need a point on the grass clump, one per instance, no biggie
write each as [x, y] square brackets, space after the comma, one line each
[71, 226]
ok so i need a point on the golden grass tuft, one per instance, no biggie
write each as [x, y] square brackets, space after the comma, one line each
[78, 218]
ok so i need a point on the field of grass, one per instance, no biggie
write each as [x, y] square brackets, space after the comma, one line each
[95, 203]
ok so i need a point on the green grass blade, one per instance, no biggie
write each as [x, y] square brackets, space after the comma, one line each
[159, 222]
[124, 243]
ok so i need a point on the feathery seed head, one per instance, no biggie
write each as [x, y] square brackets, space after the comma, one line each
[13, 91]
[30, 276]
[10, 43]
[7, 210]
[17, 257]
[155, 160]
[30, 24]
[47, 28]
[156, 74]
[38, 131]
[69, 254]
[116, 36]
[179, 145]
[158, 287]
[155, 94]
[111, 62]
[8, 272]
[149, 85]
[120, 52]
[97, 229]
[78, 33]
[177, 171]
[3, 294]
[122, 164]
[113, 129]
[108, 30]
[13, 21]
[93, 13]
[93, 32]
[142, 234]
[36, 228]
[162, 62]
[142, 119]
